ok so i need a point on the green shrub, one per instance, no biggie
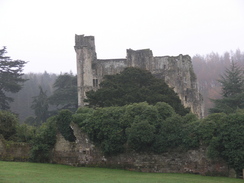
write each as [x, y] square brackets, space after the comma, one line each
[44, 141]
[25, 133]
[104, 128]
[139, 112]
[139, 126]
[169, 135]
[144, 127]
[164, 110]
[82, 116]
[64, 119]
[190, 137]
[8, 124]
[140, 135]
[228, 142]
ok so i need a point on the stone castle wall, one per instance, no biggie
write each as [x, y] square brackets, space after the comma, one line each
[177, 72]
[85, 153]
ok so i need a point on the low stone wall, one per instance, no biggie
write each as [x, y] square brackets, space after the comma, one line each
[13, 151]
[84, 153]
[193, 161]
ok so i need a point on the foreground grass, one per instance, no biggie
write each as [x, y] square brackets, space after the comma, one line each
[11, 172]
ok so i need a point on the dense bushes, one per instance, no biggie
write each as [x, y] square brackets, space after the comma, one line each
[228, 140]
[44, 141]
[146, 128]
[12, 130]
[25, 133]
[45, 137]
[139, 126]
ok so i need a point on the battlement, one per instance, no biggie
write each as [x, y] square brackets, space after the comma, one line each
[84, 41]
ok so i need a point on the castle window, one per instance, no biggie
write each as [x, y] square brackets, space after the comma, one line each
[186, 98]
[164, 67]
[95, 82]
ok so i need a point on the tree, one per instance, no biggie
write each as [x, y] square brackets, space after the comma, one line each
[40, 107]
[8, 124]
[228, 140]
[65, 95]
[134, 85]
[10, 78]
[232, 83]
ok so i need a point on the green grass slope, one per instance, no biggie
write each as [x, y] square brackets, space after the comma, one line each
[13, 172]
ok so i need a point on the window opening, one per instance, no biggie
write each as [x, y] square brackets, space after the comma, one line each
[95, 82]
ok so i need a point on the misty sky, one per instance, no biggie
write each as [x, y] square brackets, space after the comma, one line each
[42, 31]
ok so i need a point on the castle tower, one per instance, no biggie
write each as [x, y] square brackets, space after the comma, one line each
[177, 71]
[85, 55]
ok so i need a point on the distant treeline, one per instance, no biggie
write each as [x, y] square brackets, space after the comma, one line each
[23, 99]
[208, 68]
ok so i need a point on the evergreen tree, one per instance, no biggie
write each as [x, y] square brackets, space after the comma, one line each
[65, 95]
[134, 85]
[10, 78]
[232, 83]
[40, 107]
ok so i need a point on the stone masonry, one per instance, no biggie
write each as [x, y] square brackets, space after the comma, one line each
[84, 153]
[177, 71]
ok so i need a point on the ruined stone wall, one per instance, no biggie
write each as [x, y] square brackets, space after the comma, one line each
[140, 58]
[108, 67]
[79, 153]
[14, 151]
[84, 153]
[85, 56]
[177, 72]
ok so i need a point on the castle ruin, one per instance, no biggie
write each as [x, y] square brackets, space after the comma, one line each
[177, 71]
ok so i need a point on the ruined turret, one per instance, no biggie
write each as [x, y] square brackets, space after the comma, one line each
[85, 56]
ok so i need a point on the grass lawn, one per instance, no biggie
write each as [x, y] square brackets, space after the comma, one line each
[11, 172]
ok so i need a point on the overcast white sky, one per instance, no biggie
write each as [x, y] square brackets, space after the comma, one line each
[42, 31]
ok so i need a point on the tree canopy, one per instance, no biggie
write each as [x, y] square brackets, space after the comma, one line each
[228, 140]
[134, 85]
[65, 95]
[10, 78]
[232, 82]
[8, 123]
[40, 107]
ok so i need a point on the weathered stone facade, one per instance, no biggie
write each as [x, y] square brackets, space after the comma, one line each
[177, 72]
[84, 153]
